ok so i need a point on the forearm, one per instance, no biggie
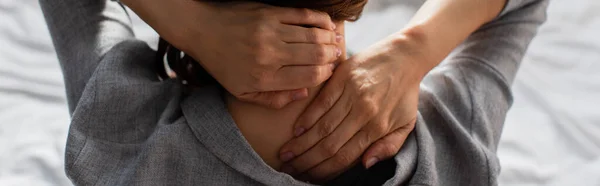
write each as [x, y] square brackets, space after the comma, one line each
[441, 25]
[150, 10]
[165, 17]
[463, 104]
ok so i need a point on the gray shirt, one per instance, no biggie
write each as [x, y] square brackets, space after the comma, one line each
[130, 128]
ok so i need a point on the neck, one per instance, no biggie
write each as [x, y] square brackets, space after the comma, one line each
[268, 129]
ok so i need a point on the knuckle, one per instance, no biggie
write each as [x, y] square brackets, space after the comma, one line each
[305, 13]
[365, 141]
[370, 108]
[381, 128]
[263, 55]
[314, 76]
[342, 160]
[327, 101]
[389, 148]
[328, 149]
[262, 35]
[321, 54]
[260, 78]
[324, 129]
[322, 15]
[313, 35]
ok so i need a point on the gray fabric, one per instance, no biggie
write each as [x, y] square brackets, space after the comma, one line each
[129, 128]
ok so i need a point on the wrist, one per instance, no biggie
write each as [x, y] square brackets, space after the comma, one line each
[441, 25]
[417, 43]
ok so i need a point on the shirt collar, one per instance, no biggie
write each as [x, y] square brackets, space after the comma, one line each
[211, 123]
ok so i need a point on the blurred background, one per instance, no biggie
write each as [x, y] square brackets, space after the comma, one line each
[551, 135]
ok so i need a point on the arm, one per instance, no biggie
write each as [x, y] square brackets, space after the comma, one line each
[441, 25]
[462, 107]
[82, 32]
[382, 85]
[259, 53]
[463, 103]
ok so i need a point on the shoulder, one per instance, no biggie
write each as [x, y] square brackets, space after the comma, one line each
[124, 97]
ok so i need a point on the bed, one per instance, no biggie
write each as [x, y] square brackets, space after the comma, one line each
[551, 136]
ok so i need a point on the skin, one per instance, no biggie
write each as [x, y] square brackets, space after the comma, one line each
[267, 129]
[368, 106]
[259, 53]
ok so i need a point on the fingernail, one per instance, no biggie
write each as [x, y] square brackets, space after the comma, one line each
[298, 95]
[332, 66]
[299, 131]
[334, 26]
[338, 38]
[287, 156]
[287, 169]
[372, 161]
[339, 52]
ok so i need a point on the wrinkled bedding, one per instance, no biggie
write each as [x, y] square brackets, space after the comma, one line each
[552, 133]
[551, 137]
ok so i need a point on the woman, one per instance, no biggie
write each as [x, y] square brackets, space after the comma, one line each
[131, 128]
[349, 119]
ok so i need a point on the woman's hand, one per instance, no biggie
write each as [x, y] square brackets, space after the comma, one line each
[370, 102]
[259, 53]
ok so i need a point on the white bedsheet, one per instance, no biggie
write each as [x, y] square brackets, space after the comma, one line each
[34, 118]
[33, 121]
[551, 137]
[552, 133]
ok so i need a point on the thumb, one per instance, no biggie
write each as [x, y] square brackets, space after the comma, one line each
[274, 99]
[386, 147]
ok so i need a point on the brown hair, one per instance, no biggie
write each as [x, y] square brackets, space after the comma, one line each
[190, 71]
[338, 10]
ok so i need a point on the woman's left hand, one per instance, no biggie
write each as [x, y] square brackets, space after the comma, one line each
[370, 102]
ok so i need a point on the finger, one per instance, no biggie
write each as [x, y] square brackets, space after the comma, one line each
[324, 127]
[325, 100]
[274, 99]
[305, 17]
[344, 159]
[298, 34]
[294, 77]
[342, 137]
[386, 147]
[310, 54]
[329, 146]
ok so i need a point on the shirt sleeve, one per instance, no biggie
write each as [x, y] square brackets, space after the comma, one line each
[464, 101]
[82, 32]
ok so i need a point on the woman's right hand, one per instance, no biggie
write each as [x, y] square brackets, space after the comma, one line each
[259, 53]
